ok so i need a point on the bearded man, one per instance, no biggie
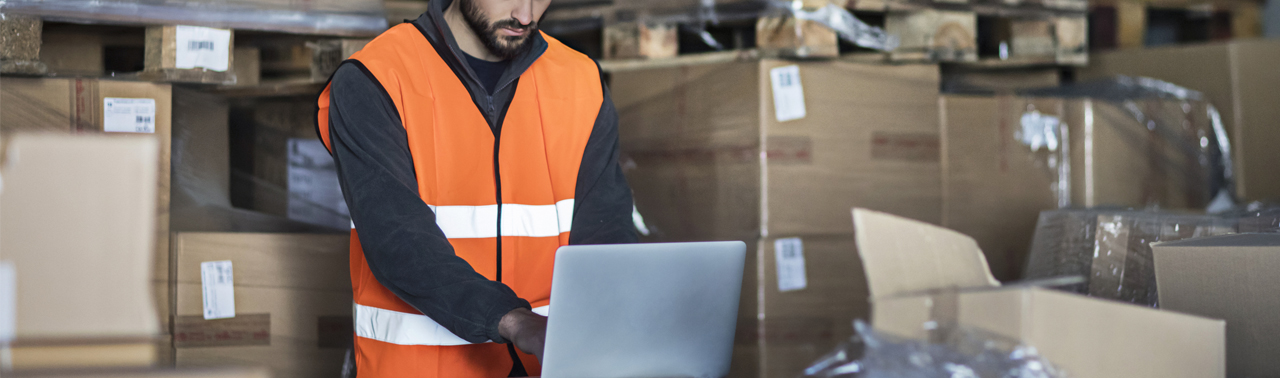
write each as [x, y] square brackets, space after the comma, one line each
[470, 146]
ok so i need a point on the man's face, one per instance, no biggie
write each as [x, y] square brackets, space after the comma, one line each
[505, 27]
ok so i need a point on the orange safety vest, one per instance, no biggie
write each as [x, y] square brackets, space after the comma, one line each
[538, 155]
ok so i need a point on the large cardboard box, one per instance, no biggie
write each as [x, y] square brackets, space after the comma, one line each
[149, 373]
[66, 106]
[1007, 158]
[86, 299]
[1240, 78]
[708, 156]
[292, 295]
[920, 273]
[1228, 277]
[768, 152]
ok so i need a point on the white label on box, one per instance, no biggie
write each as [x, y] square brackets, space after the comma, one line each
[8, 302]
[790, 255]
[219, 293]
[788, 93]
[128, 115]
[202, 47]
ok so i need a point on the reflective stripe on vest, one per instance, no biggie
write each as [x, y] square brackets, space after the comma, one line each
[403, 328]
[470, 222]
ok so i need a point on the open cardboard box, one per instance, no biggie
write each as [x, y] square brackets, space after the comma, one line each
[1232, 277]
[908, 263]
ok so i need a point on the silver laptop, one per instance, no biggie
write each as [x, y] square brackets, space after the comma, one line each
[643, 310]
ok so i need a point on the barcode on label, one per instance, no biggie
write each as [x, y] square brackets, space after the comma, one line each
[200, 45]
[789, 254]
[129, 115]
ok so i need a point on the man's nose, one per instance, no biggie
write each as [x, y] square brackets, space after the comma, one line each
[523, 12]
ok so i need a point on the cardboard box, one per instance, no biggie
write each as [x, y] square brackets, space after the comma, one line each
[66, 106]
[1008, 158]
[149, 373]
[1226, 277]
[292, 302]
[782, 327]
[84, 355]
[81, 298]
[708, 159]
[995, 186]
[1239, 78]
[919, 273]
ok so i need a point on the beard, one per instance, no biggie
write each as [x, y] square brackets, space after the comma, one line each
[503, 46]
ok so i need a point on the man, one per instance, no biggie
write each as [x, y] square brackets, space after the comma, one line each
[469, 147]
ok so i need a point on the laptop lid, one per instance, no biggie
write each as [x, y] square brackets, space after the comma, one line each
[643, 310]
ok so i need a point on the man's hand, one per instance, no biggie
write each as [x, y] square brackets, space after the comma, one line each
[525, 329]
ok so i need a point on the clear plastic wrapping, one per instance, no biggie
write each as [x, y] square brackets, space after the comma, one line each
[1143, 143]
[275, 181]
[968, 352]
[1113, 248]
[326, 17]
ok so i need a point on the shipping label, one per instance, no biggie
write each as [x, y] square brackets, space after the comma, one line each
[790, 258]
[217, 289]
[128, 115]
[202, 47]
[788, 93]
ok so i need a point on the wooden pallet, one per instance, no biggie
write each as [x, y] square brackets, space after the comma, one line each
[995, 33]
[31, 46]
[1130, 23]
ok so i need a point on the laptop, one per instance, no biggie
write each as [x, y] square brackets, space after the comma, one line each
[643, 310]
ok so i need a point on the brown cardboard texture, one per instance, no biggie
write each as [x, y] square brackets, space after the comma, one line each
[1240, 78]
[66, 106]
[288, 288]
[908, 262]
[709, 159]
[1233, 278]
[236, 372]
[78, 221]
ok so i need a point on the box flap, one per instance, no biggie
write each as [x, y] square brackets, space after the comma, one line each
[1231, 277]
[1233, 240]
[903, 256]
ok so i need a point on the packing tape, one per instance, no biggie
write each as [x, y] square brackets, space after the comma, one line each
[944, 313]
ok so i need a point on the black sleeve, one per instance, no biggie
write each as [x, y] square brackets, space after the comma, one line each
[603, 204]
[405, 249]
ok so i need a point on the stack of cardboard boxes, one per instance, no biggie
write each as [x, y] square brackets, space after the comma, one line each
[773, 153]
[77, 259]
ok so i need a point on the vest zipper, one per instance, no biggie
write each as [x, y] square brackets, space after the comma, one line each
[497, 183]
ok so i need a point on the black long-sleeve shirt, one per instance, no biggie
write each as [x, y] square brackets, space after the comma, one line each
[404, 247]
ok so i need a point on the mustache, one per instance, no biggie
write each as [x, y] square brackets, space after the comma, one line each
[514, 24]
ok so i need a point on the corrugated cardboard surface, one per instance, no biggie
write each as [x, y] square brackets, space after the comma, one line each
[994, 185]
[78, 223]
[150, 373]
[780, 333]
[708, 160]
[1087, 337]
[64, 106]
[295, 280]
[1232, 278]
[1239, 78]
